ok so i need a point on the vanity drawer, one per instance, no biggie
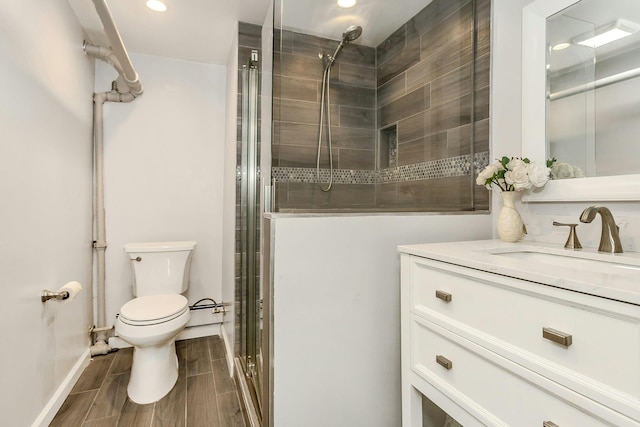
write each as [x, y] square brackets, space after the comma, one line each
[604, 345]
[438, 359]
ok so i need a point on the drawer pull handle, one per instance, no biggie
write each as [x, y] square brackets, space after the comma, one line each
[444, 362]
[557, 336]
[549, 424]
[444, 296]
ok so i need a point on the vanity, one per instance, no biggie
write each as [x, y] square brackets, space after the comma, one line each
[525, 334]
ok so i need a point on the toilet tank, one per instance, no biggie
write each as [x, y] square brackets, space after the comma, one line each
[160, 267]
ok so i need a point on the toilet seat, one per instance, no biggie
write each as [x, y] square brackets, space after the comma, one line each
[153, 309]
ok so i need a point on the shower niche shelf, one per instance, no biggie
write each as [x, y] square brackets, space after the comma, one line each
[388, 147]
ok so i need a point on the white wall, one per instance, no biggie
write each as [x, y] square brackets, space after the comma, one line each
[45, 219]
[229, 201]
[506, 117]
[164, 163]
[337, 313]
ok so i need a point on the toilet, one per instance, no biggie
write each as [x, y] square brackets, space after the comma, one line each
[151, 321]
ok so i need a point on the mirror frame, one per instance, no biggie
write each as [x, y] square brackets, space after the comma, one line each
[534, 90]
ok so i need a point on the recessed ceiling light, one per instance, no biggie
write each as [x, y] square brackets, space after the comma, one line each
[561, 46]
[346, 3]
[157, 5]
[608, 33]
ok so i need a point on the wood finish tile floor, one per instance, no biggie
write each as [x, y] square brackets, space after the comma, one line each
[204, 395]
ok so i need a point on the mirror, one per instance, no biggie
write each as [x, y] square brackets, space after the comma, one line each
[573, 103]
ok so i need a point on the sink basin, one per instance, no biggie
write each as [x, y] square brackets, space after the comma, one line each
[585, 261]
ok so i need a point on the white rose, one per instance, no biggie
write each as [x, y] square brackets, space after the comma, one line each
[518, 176]
[515, 163]
[538, 174]
[577, 172]
[487, 173]
[561, 170]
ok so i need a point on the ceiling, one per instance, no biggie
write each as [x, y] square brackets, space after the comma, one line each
[193, 30]
[203, 30]
[585, 17]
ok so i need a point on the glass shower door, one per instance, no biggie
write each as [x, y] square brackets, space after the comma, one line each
[250, 213]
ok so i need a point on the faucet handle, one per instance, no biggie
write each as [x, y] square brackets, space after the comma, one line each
[572, 240]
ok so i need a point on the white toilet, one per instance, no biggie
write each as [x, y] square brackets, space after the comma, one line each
[151, 321]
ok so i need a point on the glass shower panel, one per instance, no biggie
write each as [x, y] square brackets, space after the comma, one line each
[408, 106]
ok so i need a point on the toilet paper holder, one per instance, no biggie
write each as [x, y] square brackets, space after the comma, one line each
[47, 295]
[66, 293]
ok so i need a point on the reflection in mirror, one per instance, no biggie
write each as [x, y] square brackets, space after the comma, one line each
[593, 65]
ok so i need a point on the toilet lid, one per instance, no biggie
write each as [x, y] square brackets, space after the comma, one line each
[152, 309]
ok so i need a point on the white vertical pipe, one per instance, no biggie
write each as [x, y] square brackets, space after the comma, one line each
[119, 58]
[100, 345]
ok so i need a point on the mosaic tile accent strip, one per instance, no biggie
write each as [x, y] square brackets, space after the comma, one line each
[442, 168]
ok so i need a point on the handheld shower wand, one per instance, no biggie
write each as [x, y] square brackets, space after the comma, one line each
[351, 34]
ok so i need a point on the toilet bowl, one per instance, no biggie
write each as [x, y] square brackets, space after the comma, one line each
[152, 321]
[151, 324]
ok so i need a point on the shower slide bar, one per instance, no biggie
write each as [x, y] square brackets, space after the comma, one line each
[605, 81]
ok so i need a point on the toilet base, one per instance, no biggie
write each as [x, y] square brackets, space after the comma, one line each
[154, 372]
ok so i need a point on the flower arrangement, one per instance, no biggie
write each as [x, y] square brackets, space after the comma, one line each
[562, 170]
[514, 174]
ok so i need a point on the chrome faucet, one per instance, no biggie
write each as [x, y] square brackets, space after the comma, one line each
[610, 237]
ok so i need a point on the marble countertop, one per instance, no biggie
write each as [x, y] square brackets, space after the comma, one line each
[613, 276]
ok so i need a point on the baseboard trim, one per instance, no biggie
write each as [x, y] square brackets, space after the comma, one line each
[55, 403]
[227, 349]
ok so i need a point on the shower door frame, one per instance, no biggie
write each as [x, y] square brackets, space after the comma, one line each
[250, 334]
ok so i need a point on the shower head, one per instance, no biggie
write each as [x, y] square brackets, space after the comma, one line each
[352, 33]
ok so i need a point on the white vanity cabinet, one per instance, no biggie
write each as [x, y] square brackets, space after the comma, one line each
[490, 349]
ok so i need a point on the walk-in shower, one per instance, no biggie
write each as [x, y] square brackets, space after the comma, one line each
[393, 117]
[351, 34]
[396, 122]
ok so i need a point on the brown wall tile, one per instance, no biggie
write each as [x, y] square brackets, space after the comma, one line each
[386, 194]
[357, 159]
[356, 75]
[300, 66]
[310, 196]
[300, 89]
[440, 194]
[249, 35]
[449, 115]
[289, 110]
[408, 105]
[433, 13]
[411, 128]
[398, 63]
[441, 62]
[354, 96]
[391, 45]
[391, 90]
[353, 138]
[295, 134]
[357, 117]
[451, 86]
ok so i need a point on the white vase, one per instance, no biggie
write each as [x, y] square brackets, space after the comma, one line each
[509, 225]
